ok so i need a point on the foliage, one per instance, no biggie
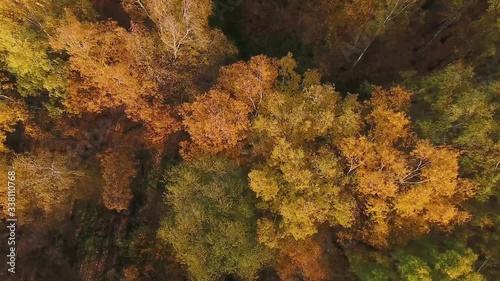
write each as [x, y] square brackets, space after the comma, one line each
[212, 226]
[118, 172]
[278, 165]
[216, 122]
[428, 260]
[325, 164]
[24, 47]
[42, 179]
[459, 111]
[104, 81]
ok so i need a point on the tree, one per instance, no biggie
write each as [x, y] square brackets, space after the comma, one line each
[456, 108]
[24, 54]
[301, 178]
[305, 258]
[422, 259]
[45, 186]
[412, 268]
[182, 24]
[25, 50]
[250, 82]
[216, 122]
[118, 171]
[370, 271]
[383, 14]
[326, 162]
[219, 120]
[426, 259]
[44, 15]
[462, 112]
[413, 191]
[106, 76]
[212, 225]
[483, 41]
[190, 46]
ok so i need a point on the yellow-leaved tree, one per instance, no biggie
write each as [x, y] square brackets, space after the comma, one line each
[45, 186]
[405, 185]
[332, 160]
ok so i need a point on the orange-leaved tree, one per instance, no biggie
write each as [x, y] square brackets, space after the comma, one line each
[118, 171]
[216, 122]
[106, 76]
[219, 120]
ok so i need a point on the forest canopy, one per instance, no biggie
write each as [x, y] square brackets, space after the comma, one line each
[251, 140]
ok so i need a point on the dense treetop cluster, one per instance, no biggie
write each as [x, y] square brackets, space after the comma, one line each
[270, 140]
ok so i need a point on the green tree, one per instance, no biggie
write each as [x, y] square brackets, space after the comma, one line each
[212, 224]
[24, 47]
[452, 107]
[368, 266]
[457, 107]
[426, 259]
[412, 268]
